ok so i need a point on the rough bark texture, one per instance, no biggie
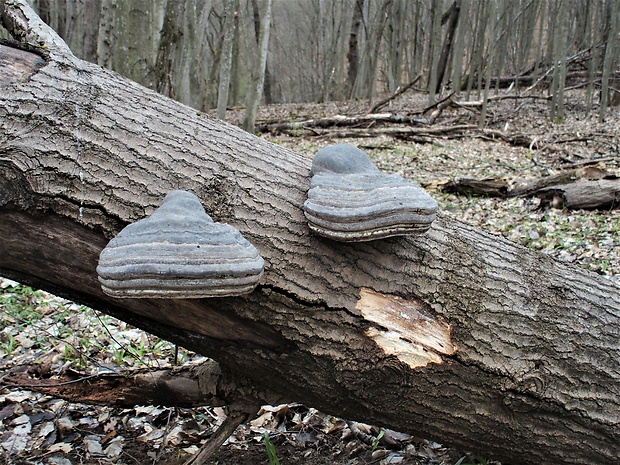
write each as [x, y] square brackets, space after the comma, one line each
[456, 335]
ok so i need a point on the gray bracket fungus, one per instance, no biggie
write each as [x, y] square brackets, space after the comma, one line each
[179, 252]
[350, 200]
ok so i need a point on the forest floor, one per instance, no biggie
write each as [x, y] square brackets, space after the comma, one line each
[36, 327]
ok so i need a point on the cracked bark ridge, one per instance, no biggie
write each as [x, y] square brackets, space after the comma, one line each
[179, 252]
[350, 200]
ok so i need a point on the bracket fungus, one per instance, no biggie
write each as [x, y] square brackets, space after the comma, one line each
[179, 252]
[350, 200]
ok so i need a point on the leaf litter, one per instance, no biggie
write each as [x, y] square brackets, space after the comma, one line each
[37, 327]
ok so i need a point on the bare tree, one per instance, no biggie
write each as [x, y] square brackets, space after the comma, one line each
[172, 67]
[452, 16]
[556, 88]
[394, 43]
[256, 91]
[353, 51]
[434, 49]
[257, 28]
[226, 57]
[610, 61]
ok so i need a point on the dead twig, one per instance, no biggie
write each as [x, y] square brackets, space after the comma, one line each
[400, 91]
[224, 431]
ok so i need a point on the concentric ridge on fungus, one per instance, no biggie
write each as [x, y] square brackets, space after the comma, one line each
[351, 200]
[179, 252]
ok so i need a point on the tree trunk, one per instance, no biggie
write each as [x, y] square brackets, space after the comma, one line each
[267, 79]
[172, 66]
[258, 78]
[226, 57]
[435, 46]
[353, 52]
[456, 335]
[453, 21]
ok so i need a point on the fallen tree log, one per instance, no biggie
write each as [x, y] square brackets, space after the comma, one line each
[426, 134]
[192, 385]
[582, 195]
[393, 125]
[456, 335]
[529, 187]
[405, 133]
[360, 121]
[585, 188]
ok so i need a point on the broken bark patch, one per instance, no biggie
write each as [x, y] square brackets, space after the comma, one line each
[406, 328]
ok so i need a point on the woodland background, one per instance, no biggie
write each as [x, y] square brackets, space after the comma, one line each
[320, 50]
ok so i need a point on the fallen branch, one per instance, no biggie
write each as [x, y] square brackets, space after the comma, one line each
[235, 418]
[438, 107]
[187, 386]
[340, 121]
[366, 121]
[418, 134]
[528, 188]
[406, 133]
[497, 98]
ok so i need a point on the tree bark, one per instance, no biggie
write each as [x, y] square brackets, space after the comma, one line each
[456, 335]
[172, 65]
[587, 195]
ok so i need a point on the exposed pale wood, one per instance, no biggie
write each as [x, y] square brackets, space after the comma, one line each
[534, 375]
